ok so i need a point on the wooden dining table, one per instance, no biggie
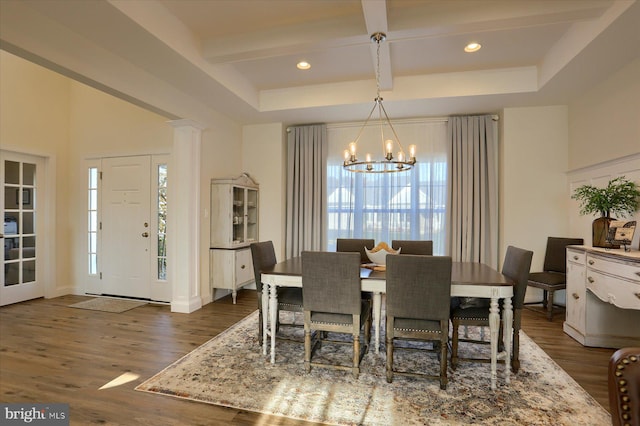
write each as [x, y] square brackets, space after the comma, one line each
[468, 279]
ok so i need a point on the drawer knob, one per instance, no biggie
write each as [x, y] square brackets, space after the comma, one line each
[637, 295]
[590, 279]
[591, 262]
[575, 296]
[575, 257]
[242, 267]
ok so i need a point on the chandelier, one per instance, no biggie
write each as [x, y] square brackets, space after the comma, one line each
[387, 163]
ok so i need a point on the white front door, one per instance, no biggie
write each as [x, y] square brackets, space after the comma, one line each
[21, 178]
[126, 226]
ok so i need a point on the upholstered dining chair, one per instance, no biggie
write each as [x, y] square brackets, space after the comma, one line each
[624, 387]
[289, 299]
[423, 247]
[517, 263]
[418, 292]
[554, 272]
[332, 304]
[355, 245]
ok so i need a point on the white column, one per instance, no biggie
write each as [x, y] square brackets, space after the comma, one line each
[183, 216]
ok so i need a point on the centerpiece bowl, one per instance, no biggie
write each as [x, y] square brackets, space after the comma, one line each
[378, 254]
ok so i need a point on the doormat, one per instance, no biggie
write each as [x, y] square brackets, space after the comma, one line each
[105, 304]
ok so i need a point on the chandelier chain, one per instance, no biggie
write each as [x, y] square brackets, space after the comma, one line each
[388, 164]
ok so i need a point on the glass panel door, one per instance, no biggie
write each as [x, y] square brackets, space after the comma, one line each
[18, 206]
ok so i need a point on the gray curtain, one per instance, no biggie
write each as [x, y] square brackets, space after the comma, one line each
[473, 180]
[306, 189]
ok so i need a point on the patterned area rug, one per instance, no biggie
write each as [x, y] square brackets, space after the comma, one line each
[106, 304]
[230, 370]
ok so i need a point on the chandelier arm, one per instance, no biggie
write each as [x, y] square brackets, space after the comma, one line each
[365, 123]
[393, 130]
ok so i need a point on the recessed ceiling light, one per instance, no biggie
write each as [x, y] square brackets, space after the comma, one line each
[472, 47]
[303, 65]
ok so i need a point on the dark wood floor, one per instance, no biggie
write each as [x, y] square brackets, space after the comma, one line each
[52, 353]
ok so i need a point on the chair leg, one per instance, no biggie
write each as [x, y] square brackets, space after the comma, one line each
[355, 371]
[454, 344]
[550, 306]
[515, 355]
[545, 299]
[443, 362]
[260, 327]
[307, 350]
[389, 344]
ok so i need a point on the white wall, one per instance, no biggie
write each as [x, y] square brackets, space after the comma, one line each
[604, 123]
[264, 158]
[604, 139]
[533, 182]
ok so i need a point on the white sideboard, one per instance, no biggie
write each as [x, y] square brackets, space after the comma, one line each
[603, 296]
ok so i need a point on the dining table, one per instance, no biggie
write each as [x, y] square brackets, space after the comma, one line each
[468, 279]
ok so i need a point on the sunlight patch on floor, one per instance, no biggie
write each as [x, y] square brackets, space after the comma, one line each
[121, 380]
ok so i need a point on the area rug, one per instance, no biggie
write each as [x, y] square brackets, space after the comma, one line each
[230, 370]
[106, 304]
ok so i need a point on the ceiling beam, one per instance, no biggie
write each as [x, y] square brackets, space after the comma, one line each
[375, 17]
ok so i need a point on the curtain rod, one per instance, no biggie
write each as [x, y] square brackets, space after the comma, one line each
[494, 117]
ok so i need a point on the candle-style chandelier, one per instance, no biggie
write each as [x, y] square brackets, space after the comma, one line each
[387, 163]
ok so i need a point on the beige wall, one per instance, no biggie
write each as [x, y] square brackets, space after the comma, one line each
[34, 119]
[45, 114]
[103, 126]
[604, 123]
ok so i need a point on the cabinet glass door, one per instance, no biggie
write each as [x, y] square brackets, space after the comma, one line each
[252, 215]
[238, 215]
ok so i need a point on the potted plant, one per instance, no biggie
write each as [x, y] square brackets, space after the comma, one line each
[619, 197]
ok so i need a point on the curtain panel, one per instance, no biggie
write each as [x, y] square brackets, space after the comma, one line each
[473, 180]
[306, 192]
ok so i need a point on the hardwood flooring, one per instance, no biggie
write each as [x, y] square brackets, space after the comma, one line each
[52, 353]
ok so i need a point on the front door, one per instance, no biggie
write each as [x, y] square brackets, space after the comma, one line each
[21, 178]
[126, 231]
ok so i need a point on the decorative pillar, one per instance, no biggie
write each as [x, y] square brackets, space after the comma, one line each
[183, 216]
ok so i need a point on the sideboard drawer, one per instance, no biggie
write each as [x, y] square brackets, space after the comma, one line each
[622, 269]
[621, 293]
[576, 256]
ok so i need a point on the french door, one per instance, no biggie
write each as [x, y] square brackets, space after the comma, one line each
[126, 250]
[21, 178]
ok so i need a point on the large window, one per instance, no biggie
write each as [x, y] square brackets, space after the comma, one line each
[408, 205]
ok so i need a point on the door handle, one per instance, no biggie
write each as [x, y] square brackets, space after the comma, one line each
[145, 234]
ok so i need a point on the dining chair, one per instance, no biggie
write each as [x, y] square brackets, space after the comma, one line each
[554, 272]
[356, 245]
[424, 247]
[417, 303]
[289, 298]
[624, 387]
[332, 304]
[517, 263]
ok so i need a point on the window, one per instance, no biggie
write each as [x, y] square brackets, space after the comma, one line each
[92, 220]
[389, 206]
[161, 231]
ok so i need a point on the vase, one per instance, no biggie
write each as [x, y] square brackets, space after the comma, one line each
[600, 231]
